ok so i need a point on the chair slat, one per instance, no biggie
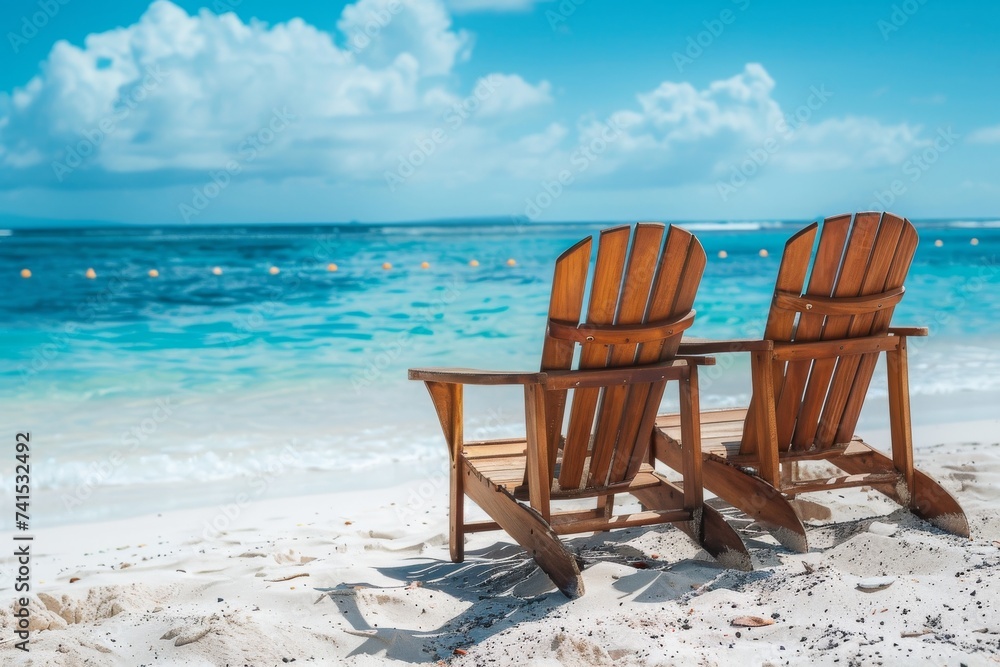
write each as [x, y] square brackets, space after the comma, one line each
[849, 281]
[605, 288]
[631, 310]
[568, 284]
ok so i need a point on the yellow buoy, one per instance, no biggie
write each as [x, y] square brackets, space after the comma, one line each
[386, 266]
[153, 273]
[974, 242]
[511, 262]
[723, 254]
[763, 252]
[331, 267]
[274, 270]
[473, 262]
[216, 271]
[91, 274]
[425, 265]
[25, 273]
[938, 243]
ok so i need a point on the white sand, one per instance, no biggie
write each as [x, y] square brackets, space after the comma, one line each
[373, 585]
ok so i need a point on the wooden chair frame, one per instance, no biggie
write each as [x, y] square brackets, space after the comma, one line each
[517, 481]
[756, 468]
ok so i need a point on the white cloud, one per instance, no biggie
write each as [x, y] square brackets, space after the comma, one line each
[985, 135]
[174, 95]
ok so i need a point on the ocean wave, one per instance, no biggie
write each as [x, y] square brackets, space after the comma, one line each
[975, 224]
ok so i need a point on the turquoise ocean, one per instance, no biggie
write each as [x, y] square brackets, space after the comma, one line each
[197, 386]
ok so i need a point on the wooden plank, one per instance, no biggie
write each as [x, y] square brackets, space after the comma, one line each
[623, 521]
[674, 292]
[762, 371]
[876, 275]
[842, 482]
[618, 420]
[538, 475]
[829, 349]
[809, 327]
[569, 281]
[604, 292]
[849, 281]
[708, 417]
[528, 529]
[690, 408]
[897, 275]
[447, 400]
[899, 412]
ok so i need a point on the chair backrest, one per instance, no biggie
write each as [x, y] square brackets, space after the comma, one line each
[648, 277]
[856, 278]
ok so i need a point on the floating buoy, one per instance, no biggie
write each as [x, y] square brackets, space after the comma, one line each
[473, 262]
[938, 243]
[216, 271]
[153, 273]
[274, 270]
[974, 242]
[25, 273]
[386, 266]
[763, 252]
[723, 254]
[91, 274]
[511, 262]
[331, 267]
[425, 265]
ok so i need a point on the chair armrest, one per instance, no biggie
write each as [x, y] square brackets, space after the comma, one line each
[909, 331]
[700, 346]
[473, 376]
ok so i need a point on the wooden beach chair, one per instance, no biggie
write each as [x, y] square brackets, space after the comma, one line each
[641, 295]
[810, 375]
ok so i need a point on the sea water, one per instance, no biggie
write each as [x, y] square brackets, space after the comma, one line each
[274, 374]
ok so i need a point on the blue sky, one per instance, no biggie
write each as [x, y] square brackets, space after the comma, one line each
[385, 110]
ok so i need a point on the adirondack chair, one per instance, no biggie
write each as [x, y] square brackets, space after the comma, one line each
[640, 303]
[810, 375]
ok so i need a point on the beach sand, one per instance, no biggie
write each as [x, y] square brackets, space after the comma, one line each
[364, 578]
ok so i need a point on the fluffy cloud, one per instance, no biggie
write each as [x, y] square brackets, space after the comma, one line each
[173, 96]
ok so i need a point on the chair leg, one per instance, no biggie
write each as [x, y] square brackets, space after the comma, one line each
[528, 529]
[456, 514]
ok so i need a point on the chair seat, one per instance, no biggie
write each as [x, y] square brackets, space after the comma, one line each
[503, 462]
[722, 433]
